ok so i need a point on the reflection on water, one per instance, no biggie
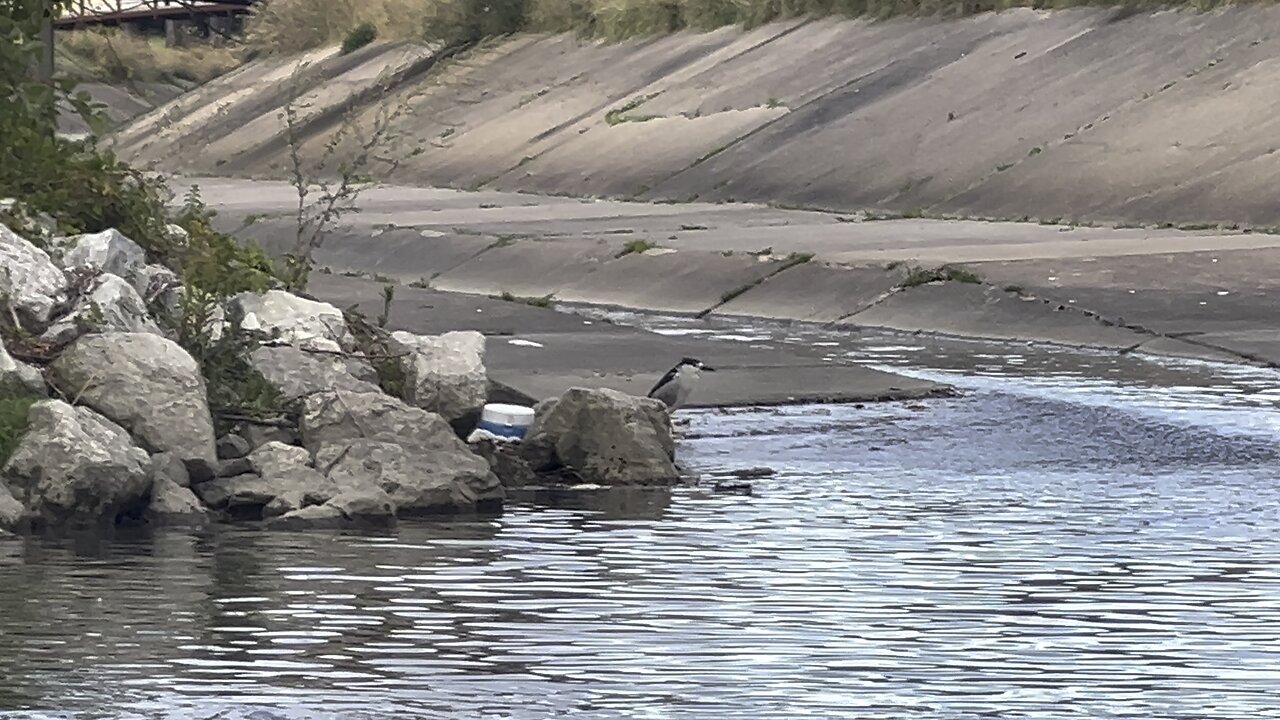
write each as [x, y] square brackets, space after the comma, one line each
[1049, 544]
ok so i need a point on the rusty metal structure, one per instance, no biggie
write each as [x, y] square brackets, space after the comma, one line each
[148, 13]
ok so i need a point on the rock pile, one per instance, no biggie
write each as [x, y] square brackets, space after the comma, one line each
[133, 438]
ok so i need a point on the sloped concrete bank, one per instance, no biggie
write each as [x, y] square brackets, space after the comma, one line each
[1188, 294]
[1095, 114]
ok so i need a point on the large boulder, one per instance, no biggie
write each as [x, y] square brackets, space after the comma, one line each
[445, 373]
[75, 466]
[28, 278]
[108, 251]
[306, 324]
[412, 454]
[297, 373]
[19, 378]
[146, 383]
[418, 482]
[111, 305]
[604, 436]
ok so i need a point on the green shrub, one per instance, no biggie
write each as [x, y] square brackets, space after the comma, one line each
[13, 421]
[360, 35]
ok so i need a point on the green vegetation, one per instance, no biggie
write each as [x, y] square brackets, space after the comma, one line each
[85, 188]
[359, 36]
[545, 301]
[917, 276]
[634, 247]
[619, 115]
[13, 421]
[119, 56]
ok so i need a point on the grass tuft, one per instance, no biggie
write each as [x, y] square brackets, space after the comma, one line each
[545, 301]
[917, 276]
[634, 247]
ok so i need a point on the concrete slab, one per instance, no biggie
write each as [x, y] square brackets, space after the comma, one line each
[814, 292]
[540, 353]
[528, 268]
[974, 310]
[680, 282]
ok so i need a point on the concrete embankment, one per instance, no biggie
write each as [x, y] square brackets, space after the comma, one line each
[1095, 114]
[1201, 295]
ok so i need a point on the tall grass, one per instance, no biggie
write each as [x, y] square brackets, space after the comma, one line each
[295, 25]
[121, 57]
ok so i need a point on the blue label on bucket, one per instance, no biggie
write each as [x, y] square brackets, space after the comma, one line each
[510, 431]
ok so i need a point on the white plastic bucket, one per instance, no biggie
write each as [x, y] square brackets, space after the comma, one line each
[506, 420]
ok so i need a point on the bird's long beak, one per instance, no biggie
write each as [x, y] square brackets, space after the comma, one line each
[708, 368]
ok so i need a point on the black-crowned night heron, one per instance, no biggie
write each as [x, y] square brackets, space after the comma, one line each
[674, 387]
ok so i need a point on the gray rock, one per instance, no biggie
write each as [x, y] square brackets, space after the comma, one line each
[309, 518]
[157, 283]
[297, 373]
[605, 436]
[234, 492]
[172, 504]
[12, 513]
[276, 458]
[146, 383]
[233, 446]
[108, 251]
[340, 415]
[200, 469]
[111, 305]
[306, 324]
[30, 224]
[418, 482]
[365, 507]
[235, 466]
[280, 480]
[506, 462]
[259, 435]
[33, 284]
[169, 467]
[74, 465]
[19, 378]
[444, 374]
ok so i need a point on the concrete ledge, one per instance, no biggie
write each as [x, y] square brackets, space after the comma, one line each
[814, 292]
[976, 310]
[680, 282]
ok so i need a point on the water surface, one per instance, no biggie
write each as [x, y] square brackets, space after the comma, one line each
[1072, 537]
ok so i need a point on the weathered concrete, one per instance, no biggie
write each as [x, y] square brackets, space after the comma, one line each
[1101, 114]
[1119, 288]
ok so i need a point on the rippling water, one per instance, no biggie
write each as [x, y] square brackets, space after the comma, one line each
[1073, 537]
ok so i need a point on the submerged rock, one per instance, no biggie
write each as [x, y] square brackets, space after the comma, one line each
[28, 278]
[75, 466]
[147, 384]
[445, 373]
[306, 324]
[604, 436]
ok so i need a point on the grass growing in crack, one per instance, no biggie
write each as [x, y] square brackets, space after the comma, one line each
[917, 276]
[794, 259]
[618, 115]
[545, 301]
[634, 247]
[1015, 289]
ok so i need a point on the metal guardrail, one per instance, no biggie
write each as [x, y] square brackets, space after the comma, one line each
[114, 12]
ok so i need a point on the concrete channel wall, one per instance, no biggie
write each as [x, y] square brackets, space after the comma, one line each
[1090, 114]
